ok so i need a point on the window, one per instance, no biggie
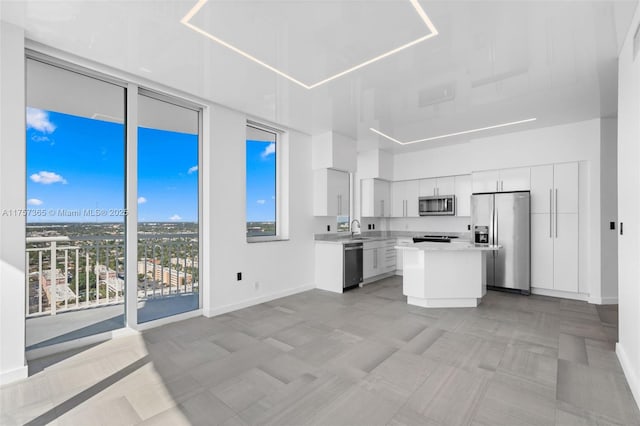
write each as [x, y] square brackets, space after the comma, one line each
[262, 184]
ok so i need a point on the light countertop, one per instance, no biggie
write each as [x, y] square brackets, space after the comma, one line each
[457, 246]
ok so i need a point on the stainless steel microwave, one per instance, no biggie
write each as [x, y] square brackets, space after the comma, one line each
[439, 205]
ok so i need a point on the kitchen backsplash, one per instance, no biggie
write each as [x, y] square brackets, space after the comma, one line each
[430, 224]
[321, 223]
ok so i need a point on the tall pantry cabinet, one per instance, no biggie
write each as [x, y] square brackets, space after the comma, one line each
[554, 227]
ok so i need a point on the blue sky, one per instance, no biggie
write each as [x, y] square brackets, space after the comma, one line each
[261, 181]
[78, 163]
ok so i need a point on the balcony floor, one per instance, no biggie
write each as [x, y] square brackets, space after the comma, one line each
[66, 326]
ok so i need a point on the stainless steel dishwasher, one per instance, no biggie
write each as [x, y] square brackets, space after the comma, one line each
[352, 261]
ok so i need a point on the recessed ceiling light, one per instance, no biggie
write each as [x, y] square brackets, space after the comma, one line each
[464, 132]
[423, 15]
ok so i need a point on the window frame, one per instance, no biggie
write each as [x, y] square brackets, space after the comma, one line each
[281, 144]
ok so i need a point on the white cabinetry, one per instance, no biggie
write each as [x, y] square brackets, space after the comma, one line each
[331, 193]
[505, 180]
[378, 257]
[375, 198]
[554, 227]
[462, 191]
[437, 186]
[329, 264]
[404, 198]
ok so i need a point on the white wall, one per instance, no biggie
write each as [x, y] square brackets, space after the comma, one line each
[279, 268]
[12, 196]
[570, 142]
[628, 348]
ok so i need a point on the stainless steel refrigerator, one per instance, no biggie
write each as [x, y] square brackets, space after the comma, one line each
[503, 219]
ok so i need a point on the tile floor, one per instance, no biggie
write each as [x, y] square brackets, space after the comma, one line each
[362, 358]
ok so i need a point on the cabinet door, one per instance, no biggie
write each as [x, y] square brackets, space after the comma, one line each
[541, 251]
[445, 185]
[367, 197]
[565, 253]
[518, 179]
[411, 193]
[397, 199]
[542, 189]
[333, 192]
[368, 262]
[486, 181]
[340, 181]
[381, 189]
[462, 192]
[565, 178]
[427, 187]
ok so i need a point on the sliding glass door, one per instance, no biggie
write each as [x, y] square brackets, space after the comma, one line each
[168, 141]
[75, 205]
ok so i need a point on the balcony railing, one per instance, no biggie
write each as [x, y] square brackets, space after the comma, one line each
[72, 273]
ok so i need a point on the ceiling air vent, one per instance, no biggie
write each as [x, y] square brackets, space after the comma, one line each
[436, 95]
[636, 42]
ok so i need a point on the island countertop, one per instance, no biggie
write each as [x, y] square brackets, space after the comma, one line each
[457, 246]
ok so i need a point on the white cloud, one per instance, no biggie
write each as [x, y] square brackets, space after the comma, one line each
[39, 120]
[270, 149]
[34, 202]
[142, 200]
[37, 138]
[47, 178]
[261, 201]
[175, 217]
[193, 169]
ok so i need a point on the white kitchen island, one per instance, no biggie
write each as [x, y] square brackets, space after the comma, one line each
[444, 275]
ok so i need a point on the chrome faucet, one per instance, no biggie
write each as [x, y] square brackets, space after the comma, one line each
[351, 226]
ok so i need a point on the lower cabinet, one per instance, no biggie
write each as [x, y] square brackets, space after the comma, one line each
[554, 251]
[378, 257]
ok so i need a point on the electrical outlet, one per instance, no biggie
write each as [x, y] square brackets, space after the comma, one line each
[468, 227]
[374, 225]
[239, 276]
[328, 228]
[612, 225]
[369, 227]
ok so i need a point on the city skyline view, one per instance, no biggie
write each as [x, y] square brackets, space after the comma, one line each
[76, 171]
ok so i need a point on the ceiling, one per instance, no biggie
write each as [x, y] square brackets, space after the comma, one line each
[491, 62]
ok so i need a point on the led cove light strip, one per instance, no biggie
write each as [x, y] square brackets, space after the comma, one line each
[423, 15]
[480, 129]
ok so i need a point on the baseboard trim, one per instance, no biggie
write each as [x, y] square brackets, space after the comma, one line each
[629, 372]
[603, 300]
[561, 294]
[219, 310]
[14, 375]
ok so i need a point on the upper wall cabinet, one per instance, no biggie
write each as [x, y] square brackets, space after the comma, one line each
[505, 180]
[330, 193]
[554, 187]
[437, 186]
[332, 150]
[404, 198]
[375, 198]
[462, 192]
